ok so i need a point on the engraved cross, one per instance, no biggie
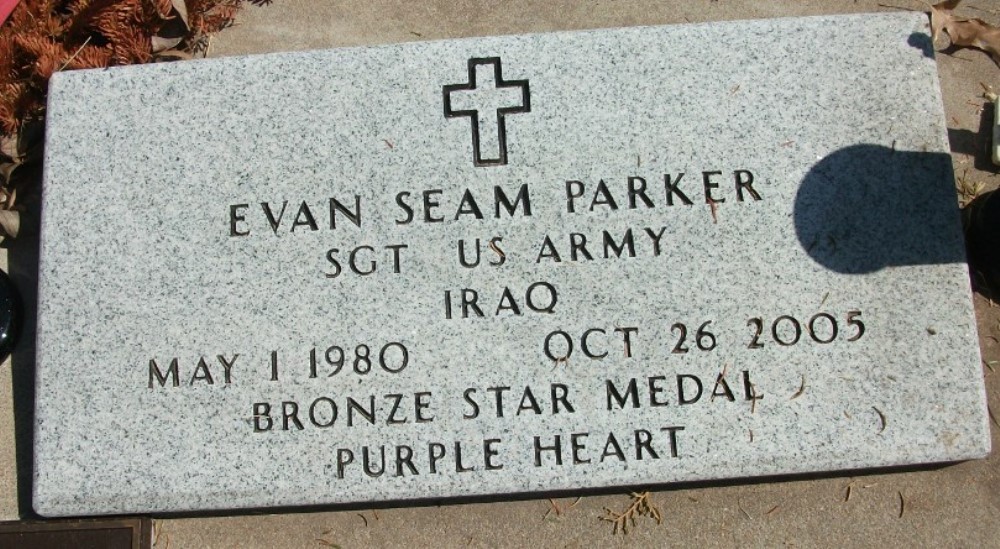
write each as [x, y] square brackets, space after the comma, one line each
[487, 99]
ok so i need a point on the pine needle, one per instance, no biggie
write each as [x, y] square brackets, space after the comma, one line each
[802, 389]
[882, 419]
[77, 52]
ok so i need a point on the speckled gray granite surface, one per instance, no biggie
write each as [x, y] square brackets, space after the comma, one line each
[691, 252]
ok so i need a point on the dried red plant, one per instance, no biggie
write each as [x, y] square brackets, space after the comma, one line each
[45, 36]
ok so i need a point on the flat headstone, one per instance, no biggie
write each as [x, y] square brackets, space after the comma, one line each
[502, 265]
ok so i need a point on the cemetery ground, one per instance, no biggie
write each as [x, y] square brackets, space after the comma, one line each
[953, 505]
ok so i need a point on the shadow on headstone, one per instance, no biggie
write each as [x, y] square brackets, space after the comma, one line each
[541, 494]
[22, 267]
[922, 41]
[868, 207]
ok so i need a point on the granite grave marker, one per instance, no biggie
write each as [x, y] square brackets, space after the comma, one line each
[501, 265]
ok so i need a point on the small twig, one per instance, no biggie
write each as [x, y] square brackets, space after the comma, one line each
[850, 490]
[753, 398]
[739, 504]
[327, 543]
[772, 509]
[882, 419]
[802, 389]
[902, 504]
[890, 6]
[555, 507]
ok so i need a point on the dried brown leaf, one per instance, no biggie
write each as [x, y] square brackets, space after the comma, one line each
[173, 55]
[8, 147]
[8, 195]
[9, 198]
[160, 43]
[10, 223]
[45, 36]
[182, 11]
[975, 33]
[7, 172]
[940, 16]
[964, 33]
